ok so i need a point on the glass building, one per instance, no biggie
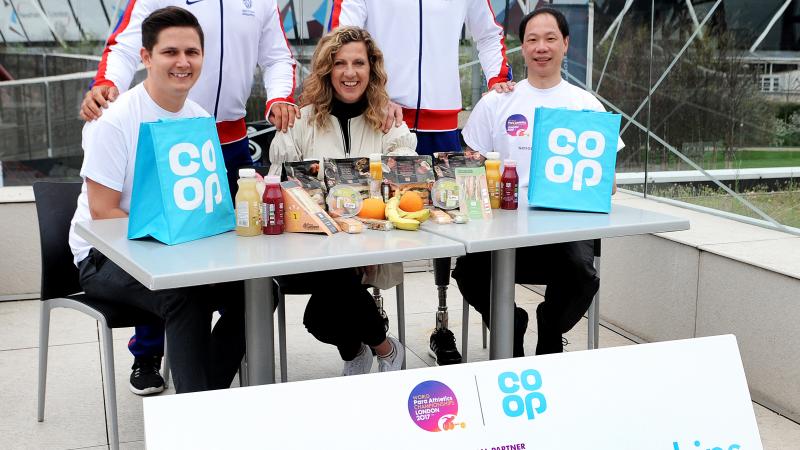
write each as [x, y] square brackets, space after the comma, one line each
[709, 90]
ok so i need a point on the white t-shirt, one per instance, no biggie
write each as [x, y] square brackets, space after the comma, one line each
[504, 122]
[109, 151]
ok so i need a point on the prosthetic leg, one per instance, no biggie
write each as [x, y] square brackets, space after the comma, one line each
[442, 343]
[376, 294]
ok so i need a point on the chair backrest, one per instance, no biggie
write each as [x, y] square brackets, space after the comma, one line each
[55, 206]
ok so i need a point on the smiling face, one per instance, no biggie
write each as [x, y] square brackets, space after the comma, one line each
[173, 65]
[350, 74]
[544, 48]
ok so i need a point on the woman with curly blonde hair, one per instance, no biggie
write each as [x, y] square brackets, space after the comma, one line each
[343, 105]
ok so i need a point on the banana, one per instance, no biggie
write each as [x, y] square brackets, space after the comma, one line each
[393, 215]
[422, 215]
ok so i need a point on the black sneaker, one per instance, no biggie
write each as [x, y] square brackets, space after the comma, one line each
[145, 378]
[443, 348]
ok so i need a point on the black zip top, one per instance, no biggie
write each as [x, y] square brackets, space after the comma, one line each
[343, 113]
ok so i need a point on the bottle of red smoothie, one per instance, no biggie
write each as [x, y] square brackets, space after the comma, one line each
[272, 206]
[510, 185]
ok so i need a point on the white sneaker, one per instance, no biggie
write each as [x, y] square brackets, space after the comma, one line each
[395, 361]
[359, 365]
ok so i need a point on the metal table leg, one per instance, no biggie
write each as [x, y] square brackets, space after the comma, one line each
[594, 309]
[502, 304]
[259, 331]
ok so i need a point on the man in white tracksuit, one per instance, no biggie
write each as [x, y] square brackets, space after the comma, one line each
[239, 35]
[420, 42]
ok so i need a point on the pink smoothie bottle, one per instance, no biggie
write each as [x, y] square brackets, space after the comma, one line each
[272, 206]
[510, 185]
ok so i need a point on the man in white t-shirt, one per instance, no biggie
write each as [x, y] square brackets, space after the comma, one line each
[172, 53]
[504, 123]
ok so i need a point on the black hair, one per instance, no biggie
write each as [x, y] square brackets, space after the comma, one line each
[163, 18]
[563, 27]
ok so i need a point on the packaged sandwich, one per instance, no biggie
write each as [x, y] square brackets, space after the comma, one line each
[445, 163]
[409, 173]
[474, 193]
[302, 214]
[353, 172]
[307, 175]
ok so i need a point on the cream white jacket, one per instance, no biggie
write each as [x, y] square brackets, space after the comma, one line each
[304, 141]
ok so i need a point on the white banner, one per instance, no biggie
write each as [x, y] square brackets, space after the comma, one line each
[681, 395]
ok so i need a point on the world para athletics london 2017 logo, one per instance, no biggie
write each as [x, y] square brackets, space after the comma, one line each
[517, 125]
[433, 407]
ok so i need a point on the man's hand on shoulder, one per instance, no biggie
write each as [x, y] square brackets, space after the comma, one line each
[96, 100]
[283, 115]
[502, 87]
[394, 115]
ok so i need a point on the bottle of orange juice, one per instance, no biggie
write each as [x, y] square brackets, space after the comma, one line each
[248, 205]
[375, 175]
[493, 178]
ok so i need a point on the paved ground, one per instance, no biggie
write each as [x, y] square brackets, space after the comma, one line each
[74, 415]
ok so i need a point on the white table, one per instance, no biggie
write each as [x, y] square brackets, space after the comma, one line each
[227, 257]
[525, 227]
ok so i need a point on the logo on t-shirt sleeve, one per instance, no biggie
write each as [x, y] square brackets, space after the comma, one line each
[517, 125]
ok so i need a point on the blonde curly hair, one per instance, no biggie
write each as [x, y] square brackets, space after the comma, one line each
[318, 88]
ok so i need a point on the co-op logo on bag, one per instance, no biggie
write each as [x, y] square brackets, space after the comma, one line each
[523, 393]
[189, 192]
[560, 169]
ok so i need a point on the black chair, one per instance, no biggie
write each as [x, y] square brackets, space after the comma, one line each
[55, 206]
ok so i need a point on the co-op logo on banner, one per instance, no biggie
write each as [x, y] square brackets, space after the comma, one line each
[522, 396]
[697, 445]
[587, 171]
[433, 407]
[198, 185]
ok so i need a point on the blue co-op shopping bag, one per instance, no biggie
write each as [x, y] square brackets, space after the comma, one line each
[573, 158]
[180, 188]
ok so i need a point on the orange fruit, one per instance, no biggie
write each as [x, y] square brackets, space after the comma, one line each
[372, 208]
[411, 201]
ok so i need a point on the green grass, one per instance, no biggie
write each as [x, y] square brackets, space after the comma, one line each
[742, 159]
[783, 205]
[750, 159]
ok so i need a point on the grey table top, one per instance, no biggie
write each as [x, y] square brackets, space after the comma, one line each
[227, 257]
[532, 226]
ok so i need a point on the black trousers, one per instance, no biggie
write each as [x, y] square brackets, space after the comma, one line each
[200, 358]
[566, 268]
[340, 312]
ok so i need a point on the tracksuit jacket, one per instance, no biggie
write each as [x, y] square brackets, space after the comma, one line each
[238, 35]
[420, 44]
